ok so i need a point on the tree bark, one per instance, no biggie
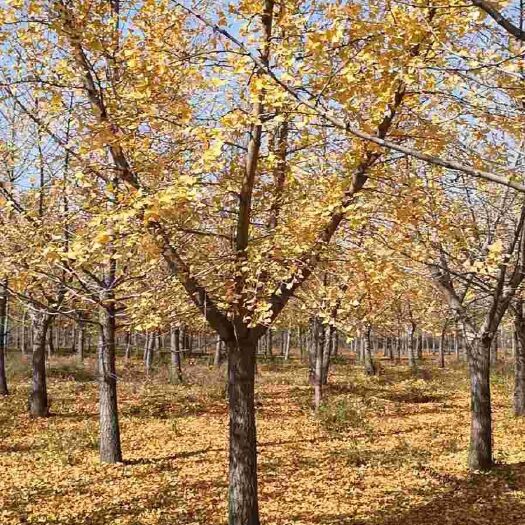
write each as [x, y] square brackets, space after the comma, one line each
[360, 350]
[4, 391]
[38, 400]
[494, 350]
[150, 349]
[23, 340]
[243, 501]
[335, 343]
[411, 347]
[176, 367]
[519, 359]
[442, 349]
[318, 376]
[313, 343]
[110, 449]
[287, 337]
[269, 344]
[327, 352]
[81, 342]
[398, 349]
[300, 342]
[390, 348]
[217, 358]
[480, 452]
[370, 367]
[419, 346]
[50, 339]
[146, 348]
[127, 351]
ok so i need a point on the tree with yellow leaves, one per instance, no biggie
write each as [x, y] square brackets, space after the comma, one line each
[239, 154]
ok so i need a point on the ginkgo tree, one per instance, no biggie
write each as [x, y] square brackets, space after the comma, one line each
[223, 150]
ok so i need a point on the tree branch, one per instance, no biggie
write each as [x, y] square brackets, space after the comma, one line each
[347, 127]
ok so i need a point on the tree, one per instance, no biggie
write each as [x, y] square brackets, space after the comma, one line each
[240, 223]
[4, 391]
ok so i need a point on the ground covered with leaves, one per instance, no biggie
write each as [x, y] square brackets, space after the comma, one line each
[385, 450]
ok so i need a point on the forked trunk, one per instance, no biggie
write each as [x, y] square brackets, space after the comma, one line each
[243, 502]
[38, 400]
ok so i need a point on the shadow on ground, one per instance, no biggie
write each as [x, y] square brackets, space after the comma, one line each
[497, 498]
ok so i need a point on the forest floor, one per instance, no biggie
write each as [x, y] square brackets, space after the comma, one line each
[385, 450]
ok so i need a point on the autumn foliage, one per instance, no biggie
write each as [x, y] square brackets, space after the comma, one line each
[241, 185]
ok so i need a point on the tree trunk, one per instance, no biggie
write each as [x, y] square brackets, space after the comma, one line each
[269, 344]
[217, 358]
[370, 367]
[243, 502]
[300, 342]
[494, 350]
[335, 343]
[110, 450]
[183, 338]
[287, 337]
[411, 347]
[480, 453]
[176, 368]
[398, 349]
[327, 352]
[50, 339]
[150, 349]
[390, 348]
[519, 359]
[81, 341]
[4, 391]
[38, 401]
[23, 341]
[361, 349]
[189, 336]
[442, 349]
[127, 351]
[313, 342]
[318, 375]
[146, 348]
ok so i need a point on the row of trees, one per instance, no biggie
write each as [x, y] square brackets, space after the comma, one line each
[357, 163]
